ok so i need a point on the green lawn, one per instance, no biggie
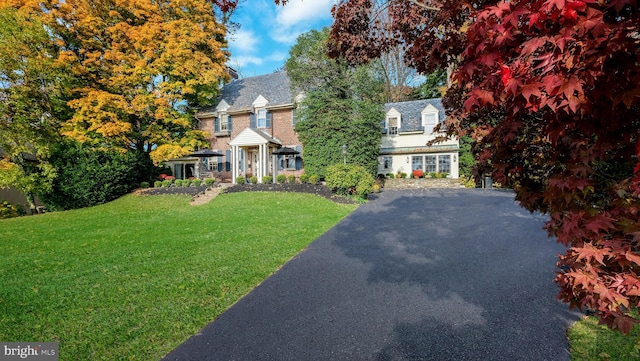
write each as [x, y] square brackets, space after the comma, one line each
[592, 342]
[132, 279]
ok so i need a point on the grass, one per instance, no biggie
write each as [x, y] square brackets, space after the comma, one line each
[132, 279]
[589, 341]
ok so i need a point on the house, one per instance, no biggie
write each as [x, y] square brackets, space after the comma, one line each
[255, 116]
[15, 196]
[408, 128]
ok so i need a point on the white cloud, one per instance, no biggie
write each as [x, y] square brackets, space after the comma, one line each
[299, 16]
[277, 56]
[244, 60]
[299, 11]
[244, 40]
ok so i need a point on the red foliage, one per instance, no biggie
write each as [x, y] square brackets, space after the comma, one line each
[550, 90]
[418, 173]
[225, 5]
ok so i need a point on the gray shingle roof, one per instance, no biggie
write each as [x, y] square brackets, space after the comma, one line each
[411, 112]
[240, 94]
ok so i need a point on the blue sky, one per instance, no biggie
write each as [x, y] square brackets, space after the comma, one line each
[267, 32]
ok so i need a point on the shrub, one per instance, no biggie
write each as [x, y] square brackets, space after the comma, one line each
[443, 175]
[403, 175]
[291, 178]
[10, 210]
[314, 179]
[186, 182]
[178, 182]
[375, 188]
[417, 173]
[349, 179]
[95, 176]
[157, 184]
[144, 184]
[241, 180]
[281, 178]
[390, 175]
[254, 180]
[197, 182]
[267, 179]
[433, 174]
[304, 178]
[209, 182]
[167, 183]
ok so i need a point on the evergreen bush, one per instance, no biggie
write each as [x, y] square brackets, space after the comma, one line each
[349, 179]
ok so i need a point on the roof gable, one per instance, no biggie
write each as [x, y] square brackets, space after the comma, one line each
[251, 136]
[411, 112]
[241, 94]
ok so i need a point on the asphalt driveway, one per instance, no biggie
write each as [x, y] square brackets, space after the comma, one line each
[412, 275]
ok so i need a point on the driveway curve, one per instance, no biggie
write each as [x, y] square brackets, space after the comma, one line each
[411, 275]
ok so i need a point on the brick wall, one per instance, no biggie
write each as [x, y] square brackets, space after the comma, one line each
[282, 129]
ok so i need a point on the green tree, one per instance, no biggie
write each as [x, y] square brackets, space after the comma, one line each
[32, 103]
[467, 161]
[87, 176]
[342, 106]
[434, 85]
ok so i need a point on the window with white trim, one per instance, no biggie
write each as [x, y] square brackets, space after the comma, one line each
[224, 122]
[262, 118]
[387, 162]
[444, 164]
[430, 164]
[429, 121]
[416, 163]
[392, 125]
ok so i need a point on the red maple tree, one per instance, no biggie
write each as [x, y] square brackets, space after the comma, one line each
[550, 90]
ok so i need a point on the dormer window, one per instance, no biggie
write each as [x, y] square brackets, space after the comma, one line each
[393, 122]
[222, 124]
[429, 118]
[262, 118]
[392, 125]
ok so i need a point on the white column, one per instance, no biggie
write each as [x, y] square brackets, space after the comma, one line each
[274, 166]
[263, 161]
[234, 163]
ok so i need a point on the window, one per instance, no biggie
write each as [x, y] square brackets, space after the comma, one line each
[224, 122]
[291, 162]
[392, 125]
[430, 164]
[416, 163]
[262, 118]
[444, 164]
[387, 162]
[429, 121]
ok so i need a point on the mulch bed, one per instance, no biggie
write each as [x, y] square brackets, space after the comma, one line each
[192, 191]
[319, 190]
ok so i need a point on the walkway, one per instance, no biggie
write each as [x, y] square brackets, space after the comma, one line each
[413, 275]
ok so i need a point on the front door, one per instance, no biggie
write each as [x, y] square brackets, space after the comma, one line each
[255, 163]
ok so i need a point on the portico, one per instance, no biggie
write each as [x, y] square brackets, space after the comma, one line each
[251, 153]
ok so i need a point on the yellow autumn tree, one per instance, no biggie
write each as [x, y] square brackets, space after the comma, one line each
[142, 67]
